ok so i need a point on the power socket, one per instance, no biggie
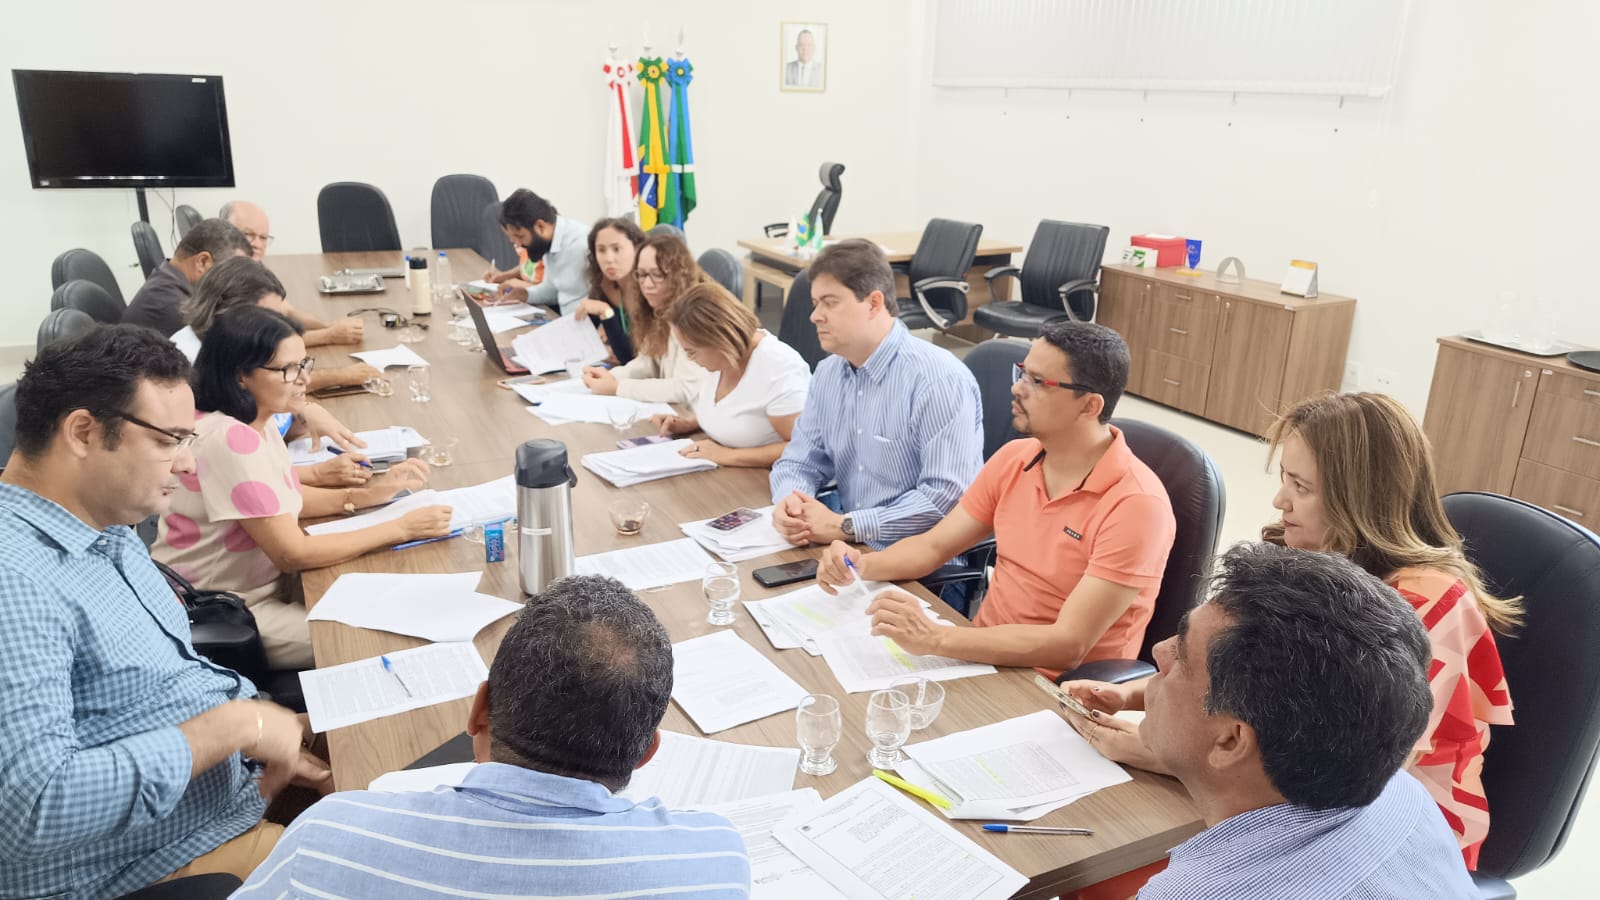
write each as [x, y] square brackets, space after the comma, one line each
[1384, 378]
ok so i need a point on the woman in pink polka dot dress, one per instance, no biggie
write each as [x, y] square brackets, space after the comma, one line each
[234, 524]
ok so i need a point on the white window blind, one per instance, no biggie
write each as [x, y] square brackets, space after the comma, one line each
[1335, 47]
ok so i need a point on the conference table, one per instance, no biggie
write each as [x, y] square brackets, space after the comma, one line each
[1135, 823]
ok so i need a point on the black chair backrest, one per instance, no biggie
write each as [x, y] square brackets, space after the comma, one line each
[147, 244]
[492, 243]
[991, 363]
[1061, 252]
[8, 423]
[84, 295]
[669, 228]
[827, 202]
[355, 217]
[724, 269]
[188, 217]
[946, 250]
[85, 264]
[796, 328]
[215, 886]
[1535, 772]
[1199, 499]
[457, 202]
[63, 324]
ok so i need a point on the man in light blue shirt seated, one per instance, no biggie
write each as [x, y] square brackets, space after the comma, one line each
[895, 420]
[122, 751]
[571, 708]
[555, 244]
[1286, 704]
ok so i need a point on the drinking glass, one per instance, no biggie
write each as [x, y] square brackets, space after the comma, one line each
[720, 585]
[818, 725]
[574, 367]
[379, 386]
[926, 697]
[463, 335]
[420, 392]
[458, 304]
[888, 726]
[441, 453]
[409, 334]
[620, 416]
[628, 514]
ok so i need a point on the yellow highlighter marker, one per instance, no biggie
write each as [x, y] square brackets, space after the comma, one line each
[913, 790]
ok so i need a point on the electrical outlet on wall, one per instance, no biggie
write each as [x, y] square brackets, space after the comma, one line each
[1384, 378]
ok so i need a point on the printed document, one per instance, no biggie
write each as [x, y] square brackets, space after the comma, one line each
[363, 690]
[721, 681]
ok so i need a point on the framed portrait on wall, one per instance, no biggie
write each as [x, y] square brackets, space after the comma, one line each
[803, 55]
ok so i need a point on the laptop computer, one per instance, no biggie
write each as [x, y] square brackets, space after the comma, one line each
[500, 356]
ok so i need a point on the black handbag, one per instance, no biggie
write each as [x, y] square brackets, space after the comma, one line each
[221, 627]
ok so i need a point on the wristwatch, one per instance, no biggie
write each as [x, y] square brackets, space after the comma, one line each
[608, 314]
[848, 527]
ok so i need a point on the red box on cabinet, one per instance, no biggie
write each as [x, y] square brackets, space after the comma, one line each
[1169, 250]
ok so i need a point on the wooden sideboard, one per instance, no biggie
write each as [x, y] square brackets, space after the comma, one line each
[1517, 424]
[1235, 353]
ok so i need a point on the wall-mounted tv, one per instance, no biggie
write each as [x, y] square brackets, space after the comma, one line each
[112, 129]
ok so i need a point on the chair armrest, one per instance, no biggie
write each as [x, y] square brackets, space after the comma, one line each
[1001, 272]
[939, 281]
[776, 229]
[940, 320]
[1113, 671]
[951, 574]
[1091, 285]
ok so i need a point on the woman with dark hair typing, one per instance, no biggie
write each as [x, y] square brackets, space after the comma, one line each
[234, 523]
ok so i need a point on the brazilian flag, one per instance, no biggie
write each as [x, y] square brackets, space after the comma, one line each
[680, 197]
[652, 144]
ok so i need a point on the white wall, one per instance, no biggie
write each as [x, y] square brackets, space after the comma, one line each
[397, 93]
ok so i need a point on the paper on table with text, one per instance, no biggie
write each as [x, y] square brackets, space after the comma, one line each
[650, 565]
[635, 465]
[567, 407]
[387, 444]
[693, 772]
[538, 393]
[434, 607]
[398, 355]
[475, 505]
[871, 841]
[809, 613]
[360, 691]
[864, 662]
[775, 873]
[721, 681]
[548, 347]
[425, 497]
[749, 541]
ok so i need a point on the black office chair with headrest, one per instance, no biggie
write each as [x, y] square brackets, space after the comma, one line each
[63, 324]
[824, 208]
[992, 363]
[454, 210]
[1059, 279]
[187, 217]
[796, 328]
[8, 423]
[492, 243]
[724, 269]
[1199, 499]
[84, 295]
[147, 244]
[1535, 772]
[355, 217]
[87, 265]
[938, 275]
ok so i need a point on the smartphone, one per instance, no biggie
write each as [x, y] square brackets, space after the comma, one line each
[788, 573]
[739, 518]
[342, 390]
[524, 379]
[627, 443]
[1062, 697]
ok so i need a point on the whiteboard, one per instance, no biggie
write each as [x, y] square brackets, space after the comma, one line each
[1333, 47]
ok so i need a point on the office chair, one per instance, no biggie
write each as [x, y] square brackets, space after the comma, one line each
[938, 275]
[355, 217]
[724, 269]
[147, 244]
[796, 328]
[669, 228]
[8, 423]
[492, 243]
[992, 363]
[187, 218]
[824, 208]
[1536, 771]
[1059, 278]
[63, 324]
[216, 886]
[455, 207]
[87, 265]
[81, 294]
[1199, 499]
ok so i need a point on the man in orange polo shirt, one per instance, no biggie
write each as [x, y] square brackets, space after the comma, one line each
[1082, 527]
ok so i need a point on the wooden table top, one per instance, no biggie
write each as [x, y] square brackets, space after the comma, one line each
[1252, 289]
[898, 246]
[1136, 823]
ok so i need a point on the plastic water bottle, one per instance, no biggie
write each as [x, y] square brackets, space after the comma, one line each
[441, 273]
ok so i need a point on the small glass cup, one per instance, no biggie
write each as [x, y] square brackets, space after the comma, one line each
[721, 587]
[379, 385]
[462, 335]
[621, 416]
[628, 515]
[927, 699]
[441, 453]
[818, 726]
[574, 367]
[458, 304]
[409, 334]
[420, 390]
[888, 726]
[473, 533]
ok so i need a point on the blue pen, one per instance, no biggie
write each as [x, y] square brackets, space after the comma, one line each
[389, 667]
[1037, 829]
[338, 451]
[860, 584]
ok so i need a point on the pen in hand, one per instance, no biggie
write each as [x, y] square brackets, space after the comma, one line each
[336, 450]
[389, 667]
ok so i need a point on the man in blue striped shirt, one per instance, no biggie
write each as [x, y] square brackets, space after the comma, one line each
[1286, 704]
[896, 421]
[571, 708]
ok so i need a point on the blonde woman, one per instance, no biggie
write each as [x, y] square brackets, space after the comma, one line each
[665, 271]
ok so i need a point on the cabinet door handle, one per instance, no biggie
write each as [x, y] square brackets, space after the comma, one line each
[1589, 393]
[1173, 383]
[1586, 442]
[1568, 510]
[1178, 331]
[1182, 296]
[1517, 394]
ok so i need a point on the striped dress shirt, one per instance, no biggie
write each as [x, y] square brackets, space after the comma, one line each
[96, 674]
[902, 435]
[505, 831]
[1396, 848]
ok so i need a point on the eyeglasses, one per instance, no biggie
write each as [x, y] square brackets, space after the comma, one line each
[265, 239]
[651, 277]
[181, 439]
[1031, 383]
[292, 372]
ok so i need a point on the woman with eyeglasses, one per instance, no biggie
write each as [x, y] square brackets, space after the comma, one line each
[660, 372]
[234, 524]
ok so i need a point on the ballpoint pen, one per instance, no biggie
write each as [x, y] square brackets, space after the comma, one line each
[339, 451]
[445, 537]
[861, 585]
[1037, 829]
[389, 667]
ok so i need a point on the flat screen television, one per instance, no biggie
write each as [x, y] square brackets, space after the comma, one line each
[123, 130]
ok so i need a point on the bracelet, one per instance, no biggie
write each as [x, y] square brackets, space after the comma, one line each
[260, 727]
[349, 501]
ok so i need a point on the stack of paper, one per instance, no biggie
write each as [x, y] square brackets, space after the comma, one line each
[363, 690]
[434, 607]
[650, 565]
[385, 445]
[564, 408]
[748, 541]
[721, 681]
[800, 617]
[398, 355]
[693, 773]
[480, 504]
[636, 465]
[864, 662]
[538, 393]
[547, 348]
[775, 873]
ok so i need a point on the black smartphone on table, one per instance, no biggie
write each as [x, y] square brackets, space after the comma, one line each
[788, 573]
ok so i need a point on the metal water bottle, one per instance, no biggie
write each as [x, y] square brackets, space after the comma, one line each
[544, 514]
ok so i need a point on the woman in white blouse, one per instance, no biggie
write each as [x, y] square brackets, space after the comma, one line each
[659, 372]
[754, 387]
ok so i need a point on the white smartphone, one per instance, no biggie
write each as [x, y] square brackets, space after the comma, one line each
[1062, 697]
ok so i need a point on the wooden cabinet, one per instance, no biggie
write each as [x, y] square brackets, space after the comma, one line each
[1237, 354]
[1517, 424]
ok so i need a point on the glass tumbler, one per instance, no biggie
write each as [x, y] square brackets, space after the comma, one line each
[818, 726]
[888, 726]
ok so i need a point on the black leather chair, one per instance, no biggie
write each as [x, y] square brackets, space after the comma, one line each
[669, 228]
[147, 244]
[457, 202]
[1199, 498]
[85, 264]
[356, 217]
[724, 269]
[187, 217]
[8, 423]
[796, 329]
[824, 208]
[89, 297]
[1059, 278]
[63, 325]
[992, 363]
[1535, 772]
[938, 275]
[217, 886]
[492, 243]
